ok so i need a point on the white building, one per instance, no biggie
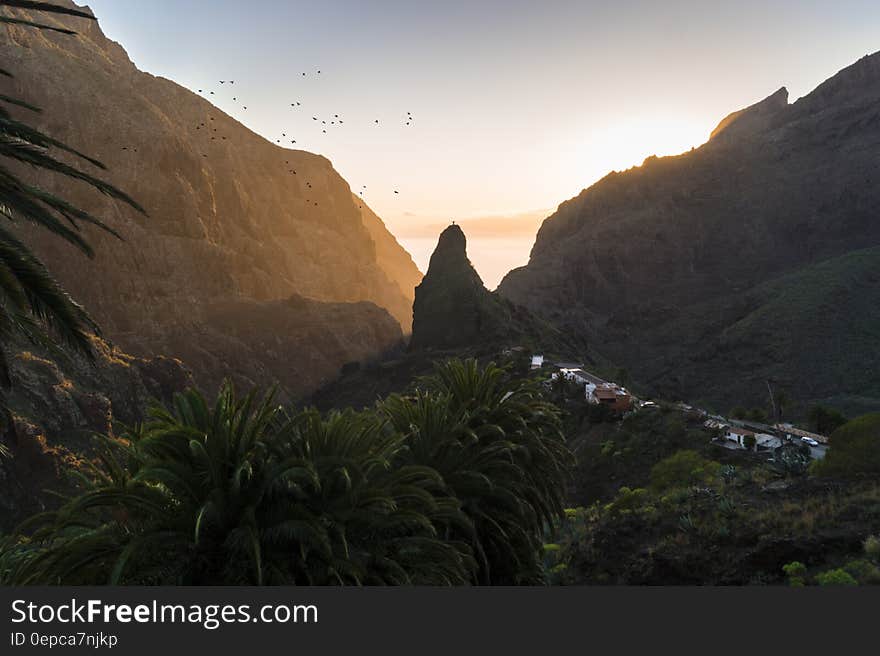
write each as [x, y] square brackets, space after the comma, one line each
[761, 440]
[738, 435]
[537, 361]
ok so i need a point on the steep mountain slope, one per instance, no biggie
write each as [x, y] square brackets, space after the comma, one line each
[394, 261]
[56, 406]
[233, 219]
[708, 273]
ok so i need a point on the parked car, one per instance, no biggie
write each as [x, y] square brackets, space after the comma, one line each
[810, 441]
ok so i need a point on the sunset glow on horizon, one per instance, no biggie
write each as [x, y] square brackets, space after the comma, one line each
[493, 108]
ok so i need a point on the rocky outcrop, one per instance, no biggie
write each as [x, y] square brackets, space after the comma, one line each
[752, 120]
[453, 310]
[234, 221]
[708, 273]
[56, 406]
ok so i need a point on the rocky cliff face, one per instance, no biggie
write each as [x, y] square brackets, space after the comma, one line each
[394, 261]
[234, 221]
[57, 405]
[708, 273]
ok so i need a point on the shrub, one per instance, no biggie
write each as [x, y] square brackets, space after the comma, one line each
[683, 469]
[863, 571]
[836, 577]
[627, 501]
[728, 473]
[795, 572]
[855, 449]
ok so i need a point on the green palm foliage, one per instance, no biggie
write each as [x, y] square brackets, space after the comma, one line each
[361, 518]
[243, 494]
[500, 450]
[30, 299]
[452, 485]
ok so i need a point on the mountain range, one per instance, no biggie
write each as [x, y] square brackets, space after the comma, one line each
[749, 262]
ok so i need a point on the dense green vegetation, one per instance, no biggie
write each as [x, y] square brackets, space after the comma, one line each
[454, 484]
[659, 503]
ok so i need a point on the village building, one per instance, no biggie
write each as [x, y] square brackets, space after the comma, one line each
[744, 436]
[537, 361]
[611, 395]
[738, 435]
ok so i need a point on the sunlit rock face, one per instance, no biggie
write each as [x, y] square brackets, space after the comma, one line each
[233, 220]
[57, 406]
[753, 257]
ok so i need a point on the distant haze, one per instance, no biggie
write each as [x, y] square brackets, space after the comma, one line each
[496, 244]
[515, 104]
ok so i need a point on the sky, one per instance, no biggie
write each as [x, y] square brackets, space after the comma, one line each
[516, 106]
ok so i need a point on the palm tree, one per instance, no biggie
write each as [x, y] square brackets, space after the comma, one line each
[30, 299]
[243, 494]
[173, 502]
[363, 518]
[499, 448]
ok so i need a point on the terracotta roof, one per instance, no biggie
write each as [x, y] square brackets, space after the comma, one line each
[740, 431]
[608, 392]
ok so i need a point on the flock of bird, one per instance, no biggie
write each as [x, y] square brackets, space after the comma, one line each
[286, 138]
